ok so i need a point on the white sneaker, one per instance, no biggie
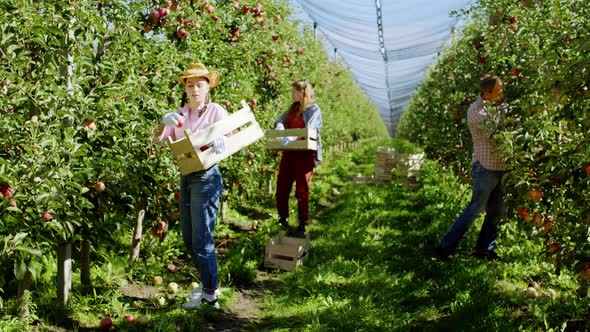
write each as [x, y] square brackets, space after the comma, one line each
[197, 292]
[201, 301]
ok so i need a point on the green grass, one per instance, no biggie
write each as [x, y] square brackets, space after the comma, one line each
[370, 268]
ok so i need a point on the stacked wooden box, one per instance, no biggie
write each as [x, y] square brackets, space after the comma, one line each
[286, 253]
[407, 168]
[385, 162]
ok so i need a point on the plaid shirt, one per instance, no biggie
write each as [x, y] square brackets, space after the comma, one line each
[481, 125]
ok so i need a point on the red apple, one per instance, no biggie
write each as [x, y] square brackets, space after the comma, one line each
[47, 216]
[254, 227]
[513, 19]
[176, 214]
[181, 120]
[155, 14]
[538, 220]
[6, 190]
[162, 224]
[163, 22]
[533, 173]
[129, 318]
[536, 194]
[163, 12]
[174, 6]
[254, 102]
[147, 28]
[548, 224]
[275, 37]
[553, 247]
[514, 72]
[106, 324]
[209, 8]
[522, 212]
[90, 124]
[215, 18]
[181, 33]
[177, 196]
[99, 186]
[481, 60]
[156, 233]
[245, 9]
[587, 169]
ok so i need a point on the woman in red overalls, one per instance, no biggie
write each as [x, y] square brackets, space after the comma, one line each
[297, 166]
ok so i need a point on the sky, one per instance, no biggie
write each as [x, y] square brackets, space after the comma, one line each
[387, 60]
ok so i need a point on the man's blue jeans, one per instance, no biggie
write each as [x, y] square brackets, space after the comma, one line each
[200, 193]
[488, 194]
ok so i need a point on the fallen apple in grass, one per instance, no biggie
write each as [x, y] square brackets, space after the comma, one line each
[532, 292]
[106, 324]
[142, 320]
[161, 301]
[157, 280]
[193, 285]
[172, 288]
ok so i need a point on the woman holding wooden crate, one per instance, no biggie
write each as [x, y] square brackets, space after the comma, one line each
[297, 166]
[200, 192]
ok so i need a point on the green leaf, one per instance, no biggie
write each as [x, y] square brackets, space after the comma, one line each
[20, 268]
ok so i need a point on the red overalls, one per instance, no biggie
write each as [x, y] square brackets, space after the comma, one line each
[296, 166]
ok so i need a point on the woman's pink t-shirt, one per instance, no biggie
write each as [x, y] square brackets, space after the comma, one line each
[212, 114]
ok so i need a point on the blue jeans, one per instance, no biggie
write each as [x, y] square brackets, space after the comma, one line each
[488, 194]
[200, 193]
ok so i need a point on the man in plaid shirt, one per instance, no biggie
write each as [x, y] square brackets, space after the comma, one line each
[487, 172]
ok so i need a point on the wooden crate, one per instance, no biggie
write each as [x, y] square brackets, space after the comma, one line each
[187, 150]
[306, 139]
[286, 253]
[385, 161]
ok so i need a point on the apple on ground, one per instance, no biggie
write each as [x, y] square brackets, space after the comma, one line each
[106, 324]
[193, 285]
[129, 318]
[172, 288]
[532, 292]
[157, 280]
[161, 301]
[142, 320]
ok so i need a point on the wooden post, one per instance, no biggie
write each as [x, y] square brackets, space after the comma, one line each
[223, 210]
[64, 271]
[136, 241]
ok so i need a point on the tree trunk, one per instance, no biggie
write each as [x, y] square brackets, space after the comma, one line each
[24, 296]
[85, 249]
[136, 241]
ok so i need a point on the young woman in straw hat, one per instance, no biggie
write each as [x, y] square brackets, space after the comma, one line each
[200, 192]
[297, 166]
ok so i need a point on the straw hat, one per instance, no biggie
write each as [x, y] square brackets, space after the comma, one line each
[199, 70]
